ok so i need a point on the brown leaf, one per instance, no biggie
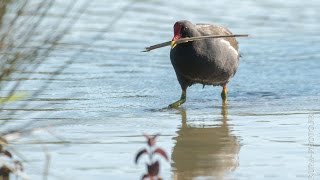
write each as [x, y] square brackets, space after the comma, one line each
[144, 176]
[151, 140]
[161, 152]
[4, 172]
[7, 153]
[143, 151]
[153, 169]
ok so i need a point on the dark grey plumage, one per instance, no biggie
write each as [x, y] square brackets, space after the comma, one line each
[212, 61]
[208, 62]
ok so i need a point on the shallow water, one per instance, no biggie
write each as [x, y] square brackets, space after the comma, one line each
[109, 93]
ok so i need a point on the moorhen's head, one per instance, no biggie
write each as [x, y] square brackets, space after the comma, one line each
[182, 29]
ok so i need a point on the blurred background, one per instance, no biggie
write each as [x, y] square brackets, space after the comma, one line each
[77, 68]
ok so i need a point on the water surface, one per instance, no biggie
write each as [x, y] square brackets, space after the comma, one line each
[102, 92]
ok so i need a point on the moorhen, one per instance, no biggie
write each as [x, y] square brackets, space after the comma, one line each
[208, 62]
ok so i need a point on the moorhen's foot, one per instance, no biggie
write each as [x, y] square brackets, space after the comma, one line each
[177, 103]
[224, 97]
[224, 94]
[180, 101]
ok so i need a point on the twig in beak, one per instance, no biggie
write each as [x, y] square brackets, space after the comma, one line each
[189, 39]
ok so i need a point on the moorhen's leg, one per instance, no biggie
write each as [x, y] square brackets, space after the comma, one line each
[181, 100]
[224, 93]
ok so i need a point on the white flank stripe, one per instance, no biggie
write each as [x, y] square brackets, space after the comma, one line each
[229, 46]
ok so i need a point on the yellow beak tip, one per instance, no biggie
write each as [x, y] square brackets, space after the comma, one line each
[173, 44]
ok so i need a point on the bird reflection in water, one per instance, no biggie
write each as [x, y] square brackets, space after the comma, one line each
[207, 152]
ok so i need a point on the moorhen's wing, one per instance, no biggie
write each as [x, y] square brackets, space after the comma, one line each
[212, 29]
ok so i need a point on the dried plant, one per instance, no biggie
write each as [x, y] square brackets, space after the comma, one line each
[8, 165]
[153, 166]
[22, 55]
[19, 60]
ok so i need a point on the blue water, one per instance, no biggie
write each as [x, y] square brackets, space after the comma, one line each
[110, 93]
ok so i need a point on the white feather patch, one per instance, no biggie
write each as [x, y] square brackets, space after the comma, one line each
[227, 43]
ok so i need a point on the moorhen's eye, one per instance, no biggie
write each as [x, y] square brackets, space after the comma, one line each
[184, 31]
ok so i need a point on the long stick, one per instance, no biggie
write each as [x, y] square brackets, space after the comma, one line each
[189, 39]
